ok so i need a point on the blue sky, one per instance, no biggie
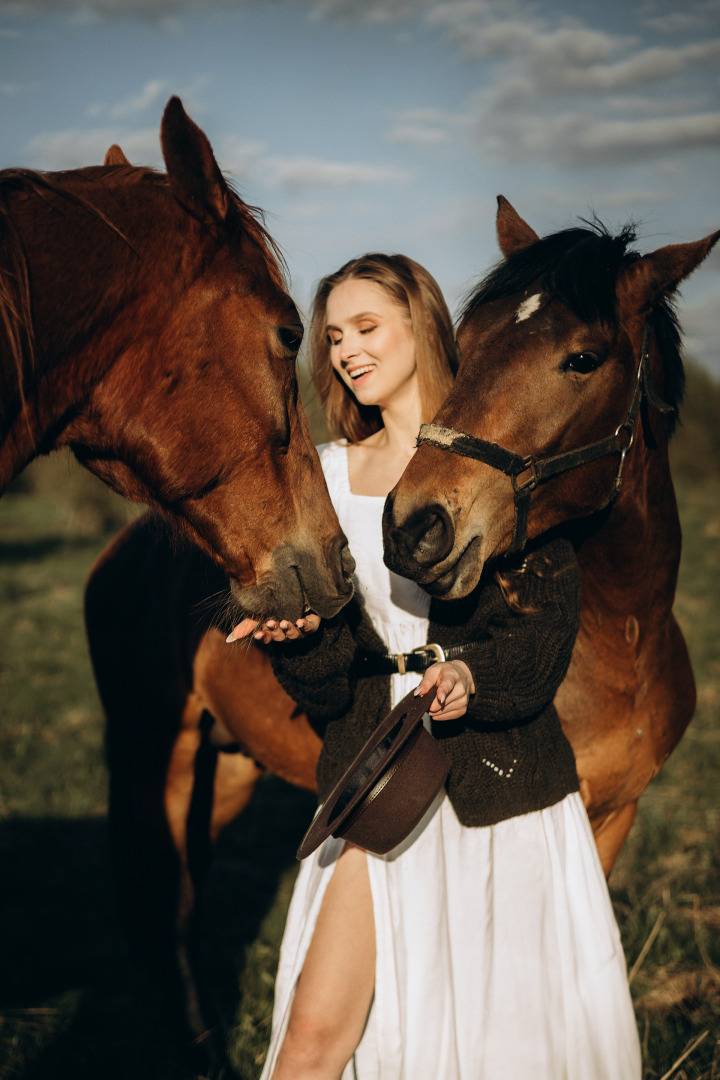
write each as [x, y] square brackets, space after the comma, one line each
[372, 124]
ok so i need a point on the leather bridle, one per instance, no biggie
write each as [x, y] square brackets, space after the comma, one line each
[541, 469]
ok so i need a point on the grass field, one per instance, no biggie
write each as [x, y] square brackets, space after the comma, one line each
[73, 1004]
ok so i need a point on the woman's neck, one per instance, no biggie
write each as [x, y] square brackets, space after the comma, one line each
[376, 464]
[401, 424]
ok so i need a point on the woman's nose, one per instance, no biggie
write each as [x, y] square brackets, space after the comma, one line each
[348, 348]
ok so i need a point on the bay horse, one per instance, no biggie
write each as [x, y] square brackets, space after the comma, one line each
[567, 394]
[192, 697]
[145, 323]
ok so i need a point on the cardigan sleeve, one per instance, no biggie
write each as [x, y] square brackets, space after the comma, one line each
[522, 657]
[319, 672]
[315, 671]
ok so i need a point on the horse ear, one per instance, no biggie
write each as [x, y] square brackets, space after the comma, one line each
[513, 233]
[662, 271]
[115, 156]
[191, 166]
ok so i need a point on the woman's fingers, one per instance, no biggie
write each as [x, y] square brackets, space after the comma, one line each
[274, 629]
[454, 684]
[242, 630]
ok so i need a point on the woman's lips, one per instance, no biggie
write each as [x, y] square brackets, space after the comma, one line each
[358, 372]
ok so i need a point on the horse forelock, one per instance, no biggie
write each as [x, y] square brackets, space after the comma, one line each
[579, 267]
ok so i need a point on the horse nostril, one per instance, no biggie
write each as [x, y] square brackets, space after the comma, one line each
[436, 538]
[348, 563]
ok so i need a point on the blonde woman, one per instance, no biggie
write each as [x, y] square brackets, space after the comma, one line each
[484, 947]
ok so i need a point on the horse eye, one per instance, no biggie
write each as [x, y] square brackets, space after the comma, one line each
[291, 337]
[582, 363]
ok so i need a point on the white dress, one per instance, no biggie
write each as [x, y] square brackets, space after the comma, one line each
[498, 954]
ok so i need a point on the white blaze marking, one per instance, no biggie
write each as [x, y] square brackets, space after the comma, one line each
[528, 307]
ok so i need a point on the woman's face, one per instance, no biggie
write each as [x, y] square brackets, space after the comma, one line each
[371, 343]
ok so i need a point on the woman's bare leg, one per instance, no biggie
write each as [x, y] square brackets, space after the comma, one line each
[336, 985]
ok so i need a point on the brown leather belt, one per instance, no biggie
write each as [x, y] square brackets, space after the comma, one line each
[416, 661]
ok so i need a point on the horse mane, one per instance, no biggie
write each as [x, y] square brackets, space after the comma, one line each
[16, 317]
[579, 267]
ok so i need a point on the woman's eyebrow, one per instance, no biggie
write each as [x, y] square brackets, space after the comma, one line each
[355, 318]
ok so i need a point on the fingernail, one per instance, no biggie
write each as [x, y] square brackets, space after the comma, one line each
[271, 624]
[258, 635]
[441, 697]
[284, 625]
[229, 639]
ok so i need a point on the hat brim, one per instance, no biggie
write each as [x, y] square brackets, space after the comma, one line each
[366, 778]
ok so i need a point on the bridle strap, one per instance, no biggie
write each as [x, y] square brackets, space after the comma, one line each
[540, 469]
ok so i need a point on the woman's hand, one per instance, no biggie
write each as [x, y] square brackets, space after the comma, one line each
[274, 629]
[454, 684]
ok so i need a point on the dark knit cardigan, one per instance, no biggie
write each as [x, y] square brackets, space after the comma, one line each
[508, 754]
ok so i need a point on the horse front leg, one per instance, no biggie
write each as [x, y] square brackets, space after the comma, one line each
[206, 787]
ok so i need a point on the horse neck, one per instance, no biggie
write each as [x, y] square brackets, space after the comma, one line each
[632, 559]
[81, 275]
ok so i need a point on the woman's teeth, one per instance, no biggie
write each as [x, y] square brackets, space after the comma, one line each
[361, 371]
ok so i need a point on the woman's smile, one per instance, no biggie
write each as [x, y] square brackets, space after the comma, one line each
[357, 373]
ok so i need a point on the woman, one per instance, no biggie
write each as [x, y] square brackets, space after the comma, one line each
[485, 945]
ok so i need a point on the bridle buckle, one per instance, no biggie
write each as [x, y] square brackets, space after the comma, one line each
[532, 481]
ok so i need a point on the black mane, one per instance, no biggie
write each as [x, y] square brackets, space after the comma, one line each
[579, 267]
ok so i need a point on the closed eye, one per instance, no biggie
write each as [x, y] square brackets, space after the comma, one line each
[291, 337]
[582, 363]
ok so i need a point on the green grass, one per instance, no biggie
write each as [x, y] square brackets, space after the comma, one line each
[72, 1001]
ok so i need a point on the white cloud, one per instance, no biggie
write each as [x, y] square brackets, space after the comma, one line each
[300, 173]
[243, 160]
[425, 128]
[582, 139]
[72, 149]
[603, 140]
[369, 11]
[555, 73]
[17, 89]
[425, 137]
[153, 96]
[638, 103]
[365, 11]
[693, 17]
[239, 157]
[154, 93]
[519, 117]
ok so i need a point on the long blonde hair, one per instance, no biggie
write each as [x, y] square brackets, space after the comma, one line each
[412, 288]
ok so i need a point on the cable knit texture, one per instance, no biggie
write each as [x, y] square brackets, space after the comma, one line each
[508, 754]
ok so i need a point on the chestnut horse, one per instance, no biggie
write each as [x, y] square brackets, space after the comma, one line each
[190, 690]
[145, 323]
[568, 391]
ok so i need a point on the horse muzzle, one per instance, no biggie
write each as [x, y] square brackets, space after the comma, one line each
[300, 580]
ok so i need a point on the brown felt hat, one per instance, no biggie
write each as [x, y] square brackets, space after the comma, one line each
[389, 786]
